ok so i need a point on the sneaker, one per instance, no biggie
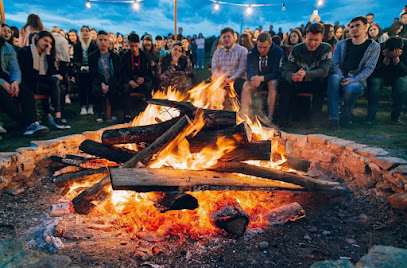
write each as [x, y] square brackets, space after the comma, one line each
[2, 130]
[83, 111]
[99, 120]
[67, 99]
[90, 110]
[36, 130]
[51, 121]
[334, 125]
[61, 125]
[113, 119]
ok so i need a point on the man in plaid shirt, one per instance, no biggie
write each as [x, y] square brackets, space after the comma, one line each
[230, 60]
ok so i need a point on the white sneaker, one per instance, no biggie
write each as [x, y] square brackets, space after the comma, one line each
[90, 110]
[67, 99]
[2, 130]
[83, 111]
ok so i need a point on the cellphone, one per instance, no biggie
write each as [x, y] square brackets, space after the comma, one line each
[315, 13]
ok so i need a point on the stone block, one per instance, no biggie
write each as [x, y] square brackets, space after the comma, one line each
[384, 186]
[372, 152]
[377, 172]
[384, 256]
[355, 146]
[399, 201]
[364, 180]
[317, 156]
[333, 264]
[46, 143]
[319, 139]
[299, 141]
[394, 181]
[9, 249]
[355, 164]
[387, 163]
[54, 261]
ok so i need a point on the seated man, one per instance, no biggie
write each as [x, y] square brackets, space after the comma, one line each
[353, 62]
[136, 73]
[10, 92]
[305, 72]
[39, 73]
[104, 70]
[230, 60]
[391, 70]
[263, 63]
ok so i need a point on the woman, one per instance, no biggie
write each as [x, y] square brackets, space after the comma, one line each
[166, 46]
[82, 49]
[255, 35]
[375, 33]
[245, 41]
[339, 32]
[33, 24]
[200, 51]
[329, 35]
[72, 40]
[94, 35]
[8, 36]
[174, 69]
[294, 38]
[119, 42]
[346, 33]
[39, 73]
[395, 28]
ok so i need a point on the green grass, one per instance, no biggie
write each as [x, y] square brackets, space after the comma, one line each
[383, 134]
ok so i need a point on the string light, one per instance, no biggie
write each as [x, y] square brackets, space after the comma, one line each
[320, 3]
[217, 6]
[249, 10]
[283, 7]
[136, 5]
[88, 5]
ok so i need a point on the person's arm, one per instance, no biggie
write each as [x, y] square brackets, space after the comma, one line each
[13, 68]
[146, 71]
[291, 65]
[215, 64]
[275, 68]
[336, 59]
[401, 67]
[324, 65]
[241, 68]
[370, 65]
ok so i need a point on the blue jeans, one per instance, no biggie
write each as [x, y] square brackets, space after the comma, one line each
[351, 93]
[398, 95]
[201, 57]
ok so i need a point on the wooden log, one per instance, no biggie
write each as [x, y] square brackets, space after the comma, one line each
[183, 106]
[297, 164]
[307, 182]
[231, 218]
[176, 201]
[145, 155]
[84, 202]
[285, 213]
[147, 134]
[241, 134]
[148, 179]
[282, 146]
[69, 178]
[116, 154]
[257, 150]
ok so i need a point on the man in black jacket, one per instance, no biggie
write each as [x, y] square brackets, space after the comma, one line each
[391, 70]
[104, 70]
[137, 75]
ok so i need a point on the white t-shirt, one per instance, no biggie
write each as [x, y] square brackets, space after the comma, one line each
[200, 43]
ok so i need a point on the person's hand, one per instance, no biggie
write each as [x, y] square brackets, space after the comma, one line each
[58, 76]
[318, 18]
[386, 61]
[301, 73]
[48, 49]
[105, 88]
[140, 80]
[256, 80]
[15, 89]
[7, 87]
[395, 53]
[345, 82]
[133, 84]
[152, 63]
[385, 52]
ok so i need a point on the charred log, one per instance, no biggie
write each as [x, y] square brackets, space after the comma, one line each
[69, 178]
[231, 218]
[119, 155]
[177, 201]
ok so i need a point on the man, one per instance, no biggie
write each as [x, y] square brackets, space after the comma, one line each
[271, 32]
[158, 42]
[353, 62]
[391, 70]
[104, 70]
[263, 63]
[136, 73]
[230, 60]
[280, 32]
[306, 70]
[403, 20]
[370, 18]
[10, 93]
[179, 36]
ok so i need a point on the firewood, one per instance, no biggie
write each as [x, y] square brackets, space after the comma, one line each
[241, 134]
[177, 201]
[65, 170]
[231, 218]
[119, 155]
[304, 181]
[147, 134]
[183, 106]
[166, 180]
[84, 202]
[69, 178]
[285, 213]
[257, 150]
[297, 163]
[145, 155]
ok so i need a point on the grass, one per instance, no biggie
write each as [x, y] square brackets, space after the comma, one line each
[383, 134]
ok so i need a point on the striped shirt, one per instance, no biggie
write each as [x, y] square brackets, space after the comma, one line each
[230, 62]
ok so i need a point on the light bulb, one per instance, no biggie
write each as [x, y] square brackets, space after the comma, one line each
[88, 4]
[249, 10]
[136, 6]
[216, 6]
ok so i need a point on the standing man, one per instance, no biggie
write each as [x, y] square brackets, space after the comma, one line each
[353, 62]
[179, 36]
[306, 70]
[263, 63]
[391, 70]
[230, 60]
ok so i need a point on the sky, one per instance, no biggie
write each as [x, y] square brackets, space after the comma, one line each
[195, 16]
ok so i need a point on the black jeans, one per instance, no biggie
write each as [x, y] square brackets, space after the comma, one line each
[85, 95]
[145, 88]
[11, 106]
[287, 92]
[100, 99]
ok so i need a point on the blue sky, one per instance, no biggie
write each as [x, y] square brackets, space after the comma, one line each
[156, 16]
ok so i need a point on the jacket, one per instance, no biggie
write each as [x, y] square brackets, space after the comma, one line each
[96, 78]
[144, 69]
[271, 70]
[9, 63]
[391, 71]
[78, 56]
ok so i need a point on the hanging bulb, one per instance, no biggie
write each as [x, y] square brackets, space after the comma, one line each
[283, 7]
[320, 3]
[249, 10]
[88, 4]
[217, 6]
[136, 5]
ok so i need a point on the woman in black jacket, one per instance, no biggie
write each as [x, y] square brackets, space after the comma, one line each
[39, 73]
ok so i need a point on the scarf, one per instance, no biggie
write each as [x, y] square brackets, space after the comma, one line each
[39, 61]
[84, 45]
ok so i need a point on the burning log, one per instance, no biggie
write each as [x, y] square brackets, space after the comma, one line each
[231, 218]
[304, 181]
[145, 155]
[297, 164]
[240, 133]
[83, 203]
[285, 213]
[177, 201]
[119, 155]
[147, 134]
[69, 178]
[145, 180]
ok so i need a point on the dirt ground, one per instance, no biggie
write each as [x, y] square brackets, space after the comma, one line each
[334, 227]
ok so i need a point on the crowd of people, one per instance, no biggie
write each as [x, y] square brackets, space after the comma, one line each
[106, 68]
